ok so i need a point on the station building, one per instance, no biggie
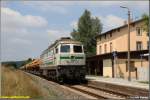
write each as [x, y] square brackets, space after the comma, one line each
[112, 52]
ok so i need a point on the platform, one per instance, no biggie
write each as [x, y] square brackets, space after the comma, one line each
[118, 81]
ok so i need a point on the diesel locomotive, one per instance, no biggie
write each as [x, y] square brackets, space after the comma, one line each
[63, 60]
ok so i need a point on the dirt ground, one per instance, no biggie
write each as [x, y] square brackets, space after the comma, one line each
[16, 83]
[19, 83]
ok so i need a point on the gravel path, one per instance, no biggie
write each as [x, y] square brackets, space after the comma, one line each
[58, 91]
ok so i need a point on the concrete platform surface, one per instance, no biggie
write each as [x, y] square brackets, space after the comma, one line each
[119, 81]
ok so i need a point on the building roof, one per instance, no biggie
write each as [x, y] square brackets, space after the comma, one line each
[121, 55]
[62, 39]
[123, 26]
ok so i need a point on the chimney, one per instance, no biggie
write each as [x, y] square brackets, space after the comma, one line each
[125, 22]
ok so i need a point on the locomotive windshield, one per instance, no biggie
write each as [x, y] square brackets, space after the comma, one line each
[77, 49]
[65, 48]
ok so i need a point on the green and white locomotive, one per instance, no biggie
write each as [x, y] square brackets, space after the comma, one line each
[64, 60]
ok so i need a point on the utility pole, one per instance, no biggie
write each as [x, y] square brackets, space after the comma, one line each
[115, 63]
[129, 77]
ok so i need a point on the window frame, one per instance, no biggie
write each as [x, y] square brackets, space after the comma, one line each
[111, 34]
[56, 50]
[77, 45]
[137, 48]
[65, 45]
[105, 48]
[100, 49]
[104, 36]
[137, 31]
[111, 47]
[132, 66]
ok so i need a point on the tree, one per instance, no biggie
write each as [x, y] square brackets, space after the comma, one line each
[88, 28]
[74, 34]
[28, 60]
[146, 19]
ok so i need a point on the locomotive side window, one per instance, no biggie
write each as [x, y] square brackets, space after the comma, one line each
[56, 49]
[77, 49]
[65, 48]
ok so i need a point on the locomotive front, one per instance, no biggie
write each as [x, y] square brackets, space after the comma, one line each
[72, 61]
[72, 54]
[64, 60]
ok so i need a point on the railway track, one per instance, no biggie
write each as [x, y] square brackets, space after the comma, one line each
[109, 91]
[99, 94]
[91, 91]
[96, 92]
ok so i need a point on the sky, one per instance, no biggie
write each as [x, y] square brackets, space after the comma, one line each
[29, 27]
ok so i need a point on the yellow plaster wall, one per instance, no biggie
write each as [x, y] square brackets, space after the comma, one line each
[121, 67]
[107, 68]
[119, 40]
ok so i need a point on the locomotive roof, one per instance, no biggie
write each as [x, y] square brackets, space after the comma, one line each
[63, 40]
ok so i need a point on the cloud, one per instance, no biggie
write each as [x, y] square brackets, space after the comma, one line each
[61, 7]
[28, 35]
[12, 19]
[21, 35]
[20, 41]
[56, 9]
[48, 6]
[56, 34]
[25, 36]
[111, 21]
[62, 3]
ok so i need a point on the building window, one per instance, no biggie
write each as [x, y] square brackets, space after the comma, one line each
[138, 45]
[147, 33]
[110, 46]
[105, 48]
[139, 31]
[100, 38]
[133, 24]
[100, 49]
[110, 34]
[56, 50]
[132, 66]
[105, 36]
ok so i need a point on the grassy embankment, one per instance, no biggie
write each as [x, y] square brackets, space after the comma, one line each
[16, 83]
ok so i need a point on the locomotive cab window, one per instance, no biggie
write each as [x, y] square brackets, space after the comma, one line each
[77, 49]
[65, 48]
